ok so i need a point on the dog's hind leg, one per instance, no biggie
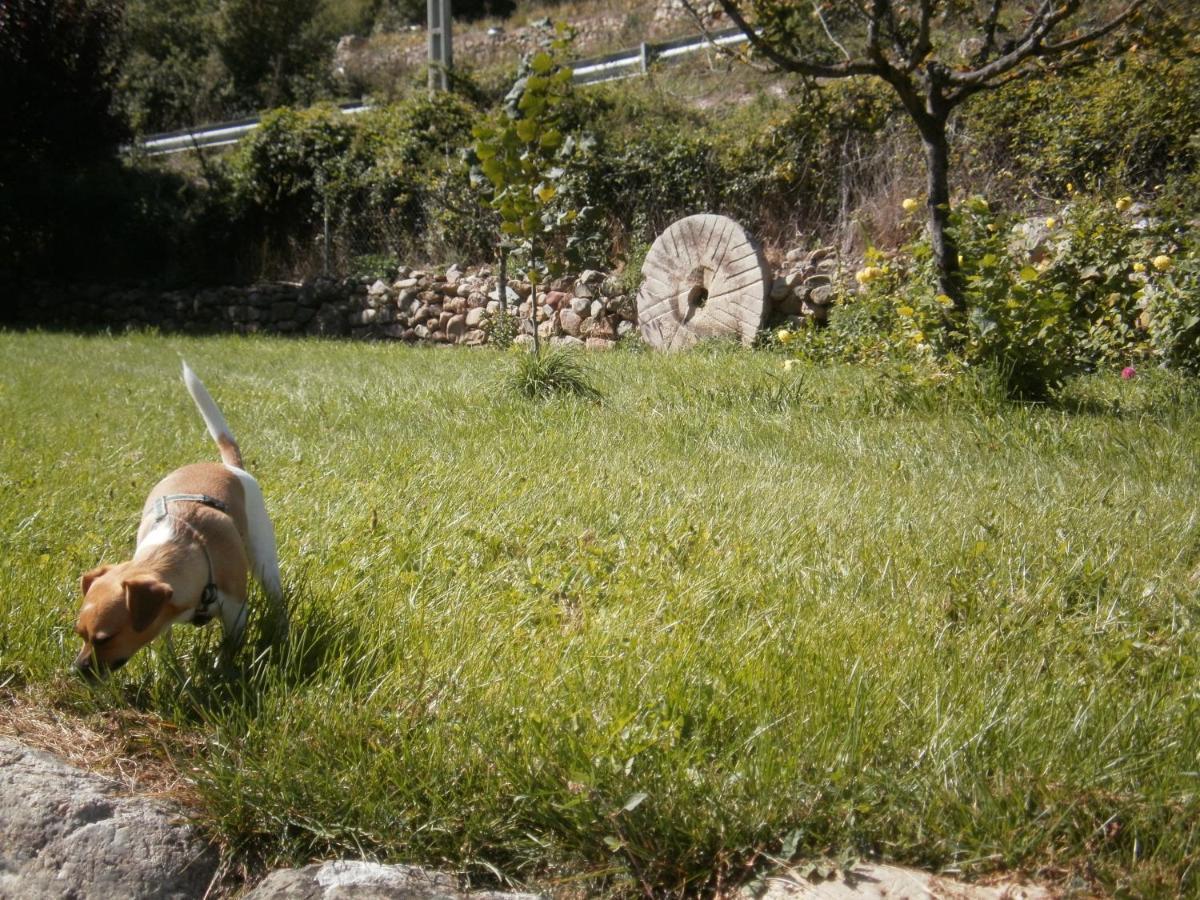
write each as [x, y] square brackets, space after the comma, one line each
[260, 537]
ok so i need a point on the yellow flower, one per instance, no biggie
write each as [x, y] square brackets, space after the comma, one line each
[867, 275]
[910, 205]
[1124, 203]
[784, 335]
[991, 226]
[1070, 188]
[1051, 222]
[944, 300]
[905, 310]
[1162, 262]
[1139, 267]
[787, 364]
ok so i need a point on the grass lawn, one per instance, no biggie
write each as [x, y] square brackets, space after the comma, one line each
[636, 645]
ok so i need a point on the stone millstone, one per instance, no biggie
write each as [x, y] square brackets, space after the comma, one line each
[704, 277]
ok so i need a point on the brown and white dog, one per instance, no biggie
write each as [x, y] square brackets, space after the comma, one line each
[203, 528]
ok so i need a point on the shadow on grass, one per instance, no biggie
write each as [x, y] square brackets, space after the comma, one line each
[195, 679]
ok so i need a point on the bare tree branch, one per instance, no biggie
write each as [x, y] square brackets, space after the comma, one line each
[801, 67]
[825, 25]
[1096, 33]
[923, 45]
[989, 33]
[1043, 22]
[724, 49]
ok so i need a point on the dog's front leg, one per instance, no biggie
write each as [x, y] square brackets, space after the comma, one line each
[233, 618]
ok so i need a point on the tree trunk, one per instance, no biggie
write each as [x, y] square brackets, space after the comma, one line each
[502, 291]
[945, 251]
[533, 310]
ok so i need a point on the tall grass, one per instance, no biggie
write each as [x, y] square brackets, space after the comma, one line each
[641, 643]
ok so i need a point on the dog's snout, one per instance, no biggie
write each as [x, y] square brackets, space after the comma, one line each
[84, 666]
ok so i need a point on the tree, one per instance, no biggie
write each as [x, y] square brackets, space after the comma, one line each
[522, 153]
[934, 54]
[57, 71]
[275, 50]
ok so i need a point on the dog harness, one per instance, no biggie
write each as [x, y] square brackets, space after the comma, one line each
[209, 602]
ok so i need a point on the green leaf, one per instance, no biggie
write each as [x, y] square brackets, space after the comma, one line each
[526, 129]
[542, 63]
[1029, 273]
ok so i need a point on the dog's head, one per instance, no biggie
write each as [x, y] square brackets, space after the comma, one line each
[124, 608]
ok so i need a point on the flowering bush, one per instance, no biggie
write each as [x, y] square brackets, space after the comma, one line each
[1092, 286]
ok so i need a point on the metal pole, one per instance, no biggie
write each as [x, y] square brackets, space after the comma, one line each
[440, 53]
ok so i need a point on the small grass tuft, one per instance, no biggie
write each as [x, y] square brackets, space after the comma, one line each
[552, 373]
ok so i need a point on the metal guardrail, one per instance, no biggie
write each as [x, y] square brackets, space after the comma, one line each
[594, 70]
[630, 63]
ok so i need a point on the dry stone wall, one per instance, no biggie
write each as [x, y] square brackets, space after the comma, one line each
[444, 307]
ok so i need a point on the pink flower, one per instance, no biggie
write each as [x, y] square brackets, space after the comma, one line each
[1128, 372]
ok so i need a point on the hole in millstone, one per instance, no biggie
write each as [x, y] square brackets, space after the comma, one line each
[699, 279]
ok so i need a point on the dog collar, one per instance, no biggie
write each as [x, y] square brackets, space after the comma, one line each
[160, 505]
[210, 602]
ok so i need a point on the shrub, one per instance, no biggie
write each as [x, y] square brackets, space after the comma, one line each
[1123, 122]
[1044, 298]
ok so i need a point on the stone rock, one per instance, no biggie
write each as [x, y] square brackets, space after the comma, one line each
[591, 276]
[583, 290]
[475, 337]
[443, 320]
[610, 287]
[526, 340]
[405, 284]
[884, 882]
[597, 343]
[421, 332]
[596, 309]
[565, 340]
[475, 316]
[570, 322]
[548, 329]
[820, 296]
[456, 327]
[812, 282]
[67, 833]
[360, 880]
[493, 307]
[378, 289]
[624, 327]
[557, 299]
[779, 289]
[513, 296]
[599, 327]
[457, 305]
[581, 306]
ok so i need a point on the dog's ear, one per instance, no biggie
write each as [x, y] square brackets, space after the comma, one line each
[88, 577]
[145, 598]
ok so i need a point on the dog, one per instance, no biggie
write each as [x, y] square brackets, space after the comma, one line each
[203, 529]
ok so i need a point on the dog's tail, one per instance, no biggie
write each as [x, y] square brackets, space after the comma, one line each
[231, 454]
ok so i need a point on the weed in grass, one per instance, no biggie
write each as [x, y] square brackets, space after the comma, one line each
[551, 373]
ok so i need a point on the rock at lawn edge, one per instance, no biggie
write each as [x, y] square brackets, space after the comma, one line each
[884, 882]
[68, 833]
[357, 880]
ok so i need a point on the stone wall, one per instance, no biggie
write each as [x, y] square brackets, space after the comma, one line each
[451, 306]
